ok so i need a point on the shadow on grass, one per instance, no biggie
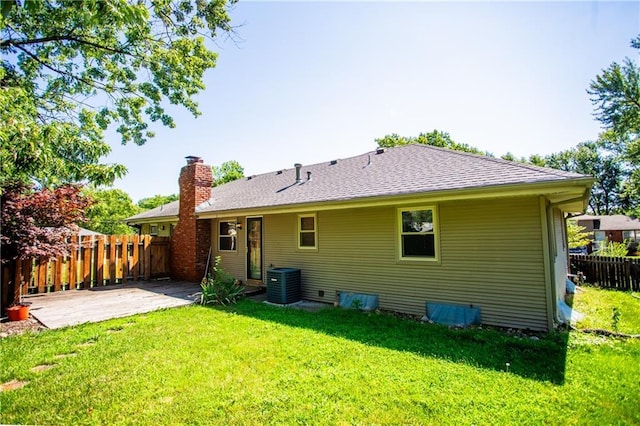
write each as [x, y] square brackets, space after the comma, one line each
[541, 358]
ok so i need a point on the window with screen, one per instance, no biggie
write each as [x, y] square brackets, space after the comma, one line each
[227, 235]
[307, 231]
[418, 233]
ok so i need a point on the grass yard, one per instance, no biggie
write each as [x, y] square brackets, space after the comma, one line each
[598, 306]
[257, 364]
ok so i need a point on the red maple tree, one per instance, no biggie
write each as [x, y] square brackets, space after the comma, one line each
[38, 223]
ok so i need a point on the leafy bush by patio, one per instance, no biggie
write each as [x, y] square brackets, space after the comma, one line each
[221, 288]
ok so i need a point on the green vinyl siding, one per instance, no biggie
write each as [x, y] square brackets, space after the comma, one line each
[164, 228]
[490, 256]
[233, 262]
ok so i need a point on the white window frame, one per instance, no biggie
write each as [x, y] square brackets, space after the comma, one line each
[220, 236]
[434, 231]
[314, 231]
[151, 226]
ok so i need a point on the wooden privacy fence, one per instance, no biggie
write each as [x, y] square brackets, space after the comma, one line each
[620, 273]
[96, 261]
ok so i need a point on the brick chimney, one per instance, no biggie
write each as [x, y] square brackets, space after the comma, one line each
[191, 237]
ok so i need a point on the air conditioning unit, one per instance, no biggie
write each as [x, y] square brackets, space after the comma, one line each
[284, 285]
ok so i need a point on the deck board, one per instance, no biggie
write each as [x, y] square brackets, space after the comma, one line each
[72, 307]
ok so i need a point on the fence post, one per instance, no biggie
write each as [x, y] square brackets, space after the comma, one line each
[27, 274]
[621, 272]
[17, 279]
[42, 274]
[135, 258]
[112, 259]
[86, 261]
[7, 282]
[627, 274]
[599, 273]
[100, 260]
[65, 282]
[73, 264]
[147, 257]
[125, 258]
[57, 280]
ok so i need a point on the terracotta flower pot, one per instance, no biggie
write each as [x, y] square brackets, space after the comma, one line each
[18, 312]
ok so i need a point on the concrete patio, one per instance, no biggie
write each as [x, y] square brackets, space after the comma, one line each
[72, 307]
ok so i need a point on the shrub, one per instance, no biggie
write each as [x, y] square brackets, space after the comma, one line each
[220, 288]
[615, 318]
[613, 249]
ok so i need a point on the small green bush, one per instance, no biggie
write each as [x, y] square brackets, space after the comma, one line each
[221, 288]
[615, 318]
[613, 249]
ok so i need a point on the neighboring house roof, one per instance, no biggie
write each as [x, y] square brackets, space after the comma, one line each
[83, 232]
[404, 170]
[166, 211]
[616, 222]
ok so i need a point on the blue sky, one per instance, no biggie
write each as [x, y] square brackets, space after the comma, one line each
[311, 82]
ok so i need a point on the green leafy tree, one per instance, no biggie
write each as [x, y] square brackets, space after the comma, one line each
[560, 160]
[227, 172]
[577, 235]
[631, 194]
[110, 207]
[590, 158]
[595, 159]
[72, 68]
[156, 201]
[509, 157]
[536, 160]
[50, 153]
[615, 94]
[434, 138]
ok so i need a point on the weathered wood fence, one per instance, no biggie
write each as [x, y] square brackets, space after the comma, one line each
[620, 273]
[96, 261]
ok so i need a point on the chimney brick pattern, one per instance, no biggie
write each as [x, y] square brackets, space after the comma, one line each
[191, 238]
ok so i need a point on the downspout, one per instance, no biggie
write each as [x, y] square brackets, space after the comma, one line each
[549, 278]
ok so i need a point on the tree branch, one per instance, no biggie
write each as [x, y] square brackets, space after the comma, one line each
[43, 40]
[91, 83]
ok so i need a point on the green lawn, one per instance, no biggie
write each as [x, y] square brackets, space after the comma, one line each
[598, 305]
[257, 364]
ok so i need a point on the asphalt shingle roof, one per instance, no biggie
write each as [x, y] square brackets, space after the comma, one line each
[394, 171]
[166, 210]
[616, 222]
